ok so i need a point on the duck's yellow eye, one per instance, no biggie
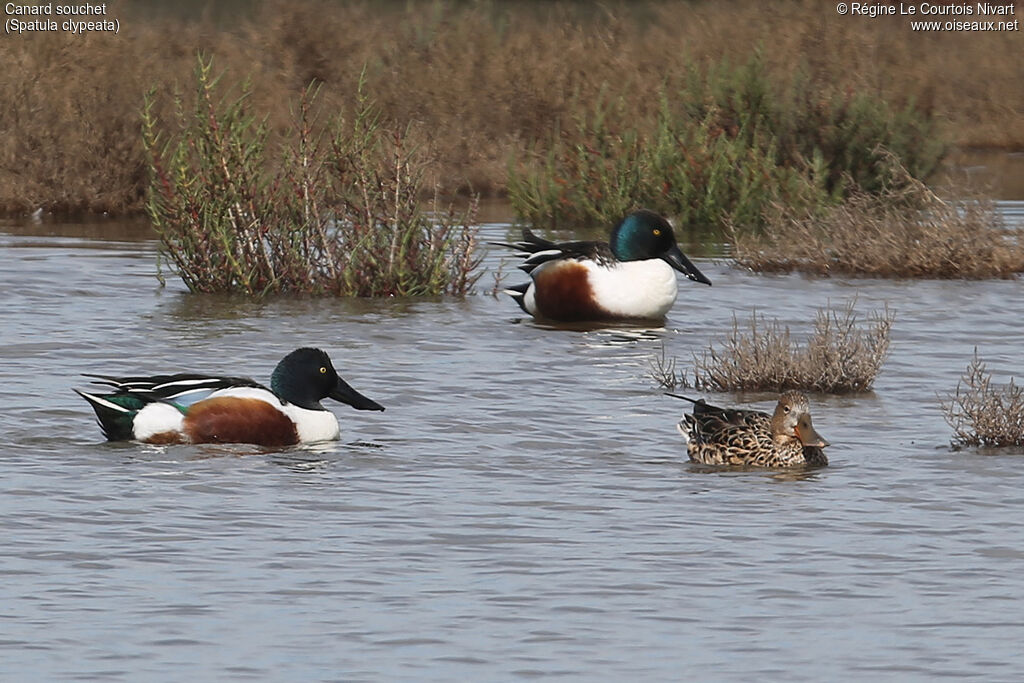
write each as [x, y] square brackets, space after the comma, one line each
[657, 232]
[323, 370]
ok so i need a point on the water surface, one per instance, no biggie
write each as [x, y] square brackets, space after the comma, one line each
[522, 509]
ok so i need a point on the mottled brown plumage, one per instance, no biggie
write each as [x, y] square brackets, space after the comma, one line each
[726, 436]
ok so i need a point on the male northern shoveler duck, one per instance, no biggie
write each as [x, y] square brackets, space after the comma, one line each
[631, 276]
[726, 436]
[191, 408]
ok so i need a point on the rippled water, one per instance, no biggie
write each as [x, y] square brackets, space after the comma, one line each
[523, 508]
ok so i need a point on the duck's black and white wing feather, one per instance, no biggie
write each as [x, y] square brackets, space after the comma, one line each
[537, 250]
[181, 389]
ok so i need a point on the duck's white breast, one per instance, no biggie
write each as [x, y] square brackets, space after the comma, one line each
[634, 289]
[313, 425]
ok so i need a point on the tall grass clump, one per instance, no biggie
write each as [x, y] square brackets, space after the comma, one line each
[983, 414]
[840, 356]
[904, 231]
[731, 142]
[337, 214]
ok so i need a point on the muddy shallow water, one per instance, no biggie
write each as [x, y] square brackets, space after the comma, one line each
[523, 508]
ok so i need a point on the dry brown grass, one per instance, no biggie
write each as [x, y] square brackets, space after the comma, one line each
[983, 414]
[840, 356]
[909, 232]
[481, 83]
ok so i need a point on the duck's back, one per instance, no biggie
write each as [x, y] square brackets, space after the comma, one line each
[728, 437]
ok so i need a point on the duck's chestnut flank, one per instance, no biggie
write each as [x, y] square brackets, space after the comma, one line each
[230, 419]
[564, 292]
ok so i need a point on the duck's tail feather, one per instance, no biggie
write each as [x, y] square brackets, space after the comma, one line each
[518, 294]
[684, 427]
[695, 401]
[114, 413]
[534, 250]
[700, 406]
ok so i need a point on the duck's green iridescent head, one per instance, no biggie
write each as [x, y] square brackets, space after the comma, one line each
[305, 376]
[644, 235]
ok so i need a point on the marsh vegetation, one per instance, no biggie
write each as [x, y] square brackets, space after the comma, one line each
[576, 114]
[481, 86]
[983, 413]
[720, 149]
[841, 355]
[339, 215]
[905, 230]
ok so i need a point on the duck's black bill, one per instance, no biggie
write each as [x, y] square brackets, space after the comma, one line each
[677, 259]
[346, 394]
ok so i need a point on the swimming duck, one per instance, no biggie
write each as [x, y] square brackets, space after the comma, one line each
[193, 408]
[631, 276]
[728, 436]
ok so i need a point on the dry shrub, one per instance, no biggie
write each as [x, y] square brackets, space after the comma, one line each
[839, 357]
[665, 372]
[982, 414]
[905, 231]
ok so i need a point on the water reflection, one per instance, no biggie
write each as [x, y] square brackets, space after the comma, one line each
[787, 475]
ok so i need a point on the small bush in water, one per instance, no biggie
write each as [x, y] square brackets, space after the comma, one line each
[339, 216]
[983, 414]
[838, 357]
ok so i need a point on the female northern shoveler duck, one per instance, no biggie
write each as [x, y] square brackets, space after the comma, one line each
[191, 408]
[631, 276]
[724, 436]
